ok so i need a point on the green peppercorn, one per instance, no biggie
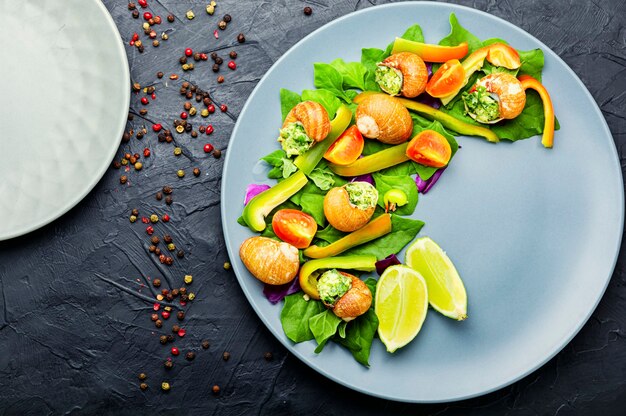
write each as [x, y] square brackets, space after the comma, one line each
[227, 266]
[180, 173]
[191, 296]
[178, 151]
[193, 111]
[133, 218]
[154, 218]
[190, 15]
[180, 129]
[204, 113]
[171, 247]
[188, 279]
[138, 166]
[165, 386]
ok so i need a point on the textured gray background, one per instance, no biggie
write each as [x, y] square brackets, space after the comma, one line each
[75, 330]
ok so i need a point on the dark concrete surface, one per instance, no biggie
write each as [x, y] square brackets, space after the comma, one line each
[75, 326]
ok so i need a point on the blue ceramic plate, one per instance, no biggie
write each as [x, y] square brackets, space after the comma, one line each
[533, 232]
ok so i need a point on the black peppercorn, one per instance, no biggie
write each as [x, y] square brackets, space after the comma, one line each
[116, 164]
[169, 297]
[226, 356]
[155, 240]
[143, 386]
[135, 14]
[308, 11]
[217, 153]
[167, 190]
[126, 137]
[175, 328]
[180, 254]
[233, 55]
[156, 283]
[168, 200]
[134, 212]
[167, 238]
[168, 364]
[170, 18]
[170, 338]
[183, 60]
[140, 48]
[220, 79]
[196, 56]
[180, 315]
[189, 95]
[159, 74]
[194, 134]
[241, 38]
[196, 172]
[174, 292]
[140, 134]
[268, 356]
[190, 356]
[154, 317]
[159, 196]
[213, 55]
[216, 68]
[123, 179]
[184, 298]
[152, 248]
[182, 290]
[227, 18]
[163, 339]
[158, 323]
[215, 389]
[169, 261]
[157, 251]
[131, 6]
[205, 344]
[207, 101]
[219, 60]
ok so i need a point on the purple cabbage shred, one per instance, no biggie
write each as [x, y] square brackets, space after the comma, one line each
[381, 265]
[276, 293]
[363, 178]
[253, 190]
[425, 186]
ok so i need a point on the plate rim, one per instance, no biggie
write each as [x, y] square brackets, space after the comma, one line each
[559, 346]
[121, 51]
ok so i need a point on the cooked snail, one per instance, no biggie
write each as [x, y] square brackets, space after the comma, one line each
[402, 73]
[304, 125]
[345, 294]
[382, 117]
[351, 206]
[496, 97]
[272, 262]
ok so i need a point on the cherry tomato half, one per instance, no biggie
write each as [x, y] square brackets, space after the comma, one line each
[429, 148]
[294, 227]
[347, 148]
[503, 55]
[448, 79]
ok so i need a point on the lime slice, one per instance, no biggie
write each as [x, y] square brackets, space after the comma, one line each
[446, 293]
[401, 306]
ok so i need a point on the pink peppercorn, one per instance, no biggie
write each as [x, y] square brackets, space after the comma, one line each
[157, 127]
[183, 115]
[165, 314]
[181, 332]
[166, 218]
[144, 100]
[175, 351]
[208, 148]
[232, 65]
[211, 108]
[147, 16]
[143, 3]
[188, 52]
[149, 230]
[209, 129]
[146, 152]
[224, 108]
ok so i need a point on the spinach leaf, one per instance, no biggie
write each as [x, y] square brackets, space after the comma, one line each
[414, 33]
[353, 73]
[532, 63]
[275, 158]
[341, 330]
[403, 231]
[288, 100]
[325, 97]
[330, 234]
[359, 336]
[459, 34]
[371, 284]
[327, 77]
[295, 316]
[372, 146]
[323, 326]
[384, 183]
[309, 188]
[313, 204]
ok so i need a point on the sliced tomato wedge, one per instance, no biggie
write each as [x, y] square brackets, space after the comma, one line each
[429, 148]
[448, 79]
[499, 54]
[347, 148]
[294, 227]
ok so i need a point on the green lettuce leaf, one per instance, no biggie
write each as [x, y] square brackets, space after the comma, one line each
[353, 73]
[328, 78]
[295, 316]
[323, 326]
[359, 336]
[313, 204]
[325, 97]
[385, 183]
[288, 100]
[458, 34]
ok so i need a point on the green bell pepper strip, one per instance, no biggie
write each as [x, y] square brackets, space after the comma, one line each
[372, 230]
[308, 277]
[309, 160]
[374, 162]
[446, 120]
[261, 205]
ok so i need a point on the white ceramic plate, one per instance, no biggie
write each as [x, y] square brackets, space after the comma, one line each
[533, 232]
[64, 94]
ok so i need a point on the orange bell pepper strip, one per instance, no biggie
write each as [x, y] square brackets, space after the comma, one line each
[529, 82]
[428, 52]
[378, 227]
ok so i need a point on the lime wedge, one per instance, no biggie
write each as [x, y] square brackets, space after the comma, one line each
[401, 306]
[446, 293]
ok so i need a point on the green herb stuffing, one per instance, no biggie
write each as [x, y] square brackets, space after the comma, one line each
[294, 139]
[332, 285]
[362, 194]
[482, 105]
[389, 79]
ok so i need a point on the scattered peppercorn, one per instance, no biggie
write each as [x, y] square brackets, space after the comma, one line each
[157, 251]
[156, 282]
[154, 317]
[178, 151]
[158, 323]
[180, 315]
[142, 376]
[123, 179]
[268, 356]
[163, 339]
[149, 230]
[241, 38]
[155, 42]
[138, 165]
[196, 172]
[308, 11]
[222, 25]
[188, 279]
[233, 55]
[182, 290]
[165, 218]
[232, 65]
[215, 389]
[217, 153]
[159, 196]
[206, 344]
[227, 18]
[190, 15]
[116, 164]
[223, 108]
[226, 356]
[175, 351]
[180, 173]
[131, 6]
[190, 356]
[174, 292]
[170, 18]
[135, 14]
[165, 386]
[216, 68]
[210, 9]
[219, 61]
[168, 364]
[133, 159]
[143, 386]
[143, 3]
[197, 57]
[220, 79]
[132, 218]
[175, 328]
[169, 261]
[227, 266]
[180, 254]
[169, 200]
[170, 338]
[167, 190]
[152, 248]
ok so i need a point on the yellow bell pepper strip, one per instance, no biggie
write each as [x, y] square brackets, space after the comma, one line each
[471, 64]
[261, 205]
[378, 227]
[374, 162]
[529, 82]
[445, 119]
[428, 52]
[307, 161]
[308, 276]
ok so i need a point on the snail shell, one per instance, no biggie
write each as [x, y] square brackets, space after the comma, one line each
[354, 302]
[272, 262]
[342, 214]
[313, 117]
[413, 70]
[511, 95]
[382, 117]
